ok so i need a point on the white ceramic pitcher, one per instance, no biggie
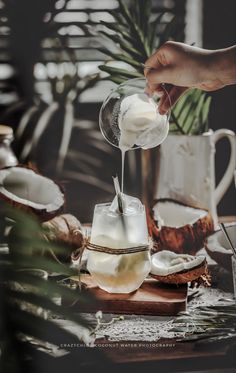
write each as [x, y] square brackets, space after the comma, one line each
[187, 169]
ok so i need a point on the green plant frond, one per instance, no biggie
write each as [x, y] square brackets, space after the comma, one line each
[140, 11]
[66, 137]
[50, 288]
[116, 79]
[128, 37]
[120, 72]
[89, 180]
[180, 105]
[85, 168]
[176, 123]
[41, 300]
[188, 112]
[26, 118]
[125, 12]
[200, 104]
[192, 124]
[152, 32]
[205, 109]
[134, 28]
[39, 328]
[117, 28]
[188, 115]
[170, 30]
[50, 331]
[50, 265]
[197, 125]
[22, 218]
[135, 13]
[144, 11]
[33, 243]
[131, 51]
[121, 21]
[120, 57]
[88, 159]
[137, 29]
[197, 93]
[42, 124]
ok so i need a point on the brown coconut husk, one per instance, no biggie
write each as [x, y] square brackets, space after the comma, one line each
[198, 275]
[186, 239]
[65, 230]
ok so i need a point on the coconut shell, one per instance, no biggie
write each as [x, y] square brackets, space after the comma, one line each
[65, 229]
[183, 277]
[186, 239]
[222, 258]
[218, 249]
[42, 214]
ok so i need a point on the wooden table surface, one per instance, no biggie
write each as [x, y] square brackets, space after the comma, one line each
[164, 355]
[167, 355]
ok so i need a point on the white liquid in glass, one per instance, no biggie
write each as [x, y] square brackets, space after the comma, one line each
[121, 273]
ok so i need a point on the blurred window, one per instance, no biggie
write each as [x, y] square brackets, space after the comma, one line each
[78, 30]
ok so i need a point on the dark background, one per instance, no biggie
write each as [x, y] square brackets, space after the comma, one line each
[219, 31]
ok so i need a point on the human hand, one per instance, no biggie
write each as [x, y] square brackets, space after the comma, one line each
[182, 67]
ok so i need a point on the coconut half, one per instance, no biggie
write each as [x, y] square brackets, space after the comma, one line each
[218, 247]
[172, 268]
[24, 188]
[178, 227]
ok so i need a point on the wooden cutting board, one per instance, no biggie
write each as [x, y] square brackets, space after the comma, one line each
[152, 298]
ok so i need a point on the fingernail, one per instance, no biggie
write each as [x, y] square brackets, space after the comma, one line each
[160, 110]
[159, 93]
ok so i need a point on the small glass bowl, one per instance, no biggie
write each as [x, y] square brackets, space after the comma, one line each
[109, 112]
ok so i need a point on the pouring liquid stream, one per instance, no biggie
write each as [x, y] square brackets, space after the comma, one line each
[123, 151]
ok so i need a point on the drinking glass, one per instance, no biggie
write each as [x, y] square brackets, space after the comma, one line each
[119, 273]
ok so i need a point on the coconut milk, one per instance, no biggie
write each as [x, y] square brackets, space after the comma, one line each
[140, 125]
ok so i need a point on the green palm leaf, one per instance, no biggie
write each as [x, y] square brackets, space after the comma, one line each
[120, 72]
[120, 57]
[25, 293]
[153, 31]
[137, 37]
[132, 52]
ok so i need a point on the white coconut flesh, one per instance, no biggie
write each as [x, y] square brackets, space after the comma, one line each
[174, 215]
[218, 242]
[166, 262]
[25, 187]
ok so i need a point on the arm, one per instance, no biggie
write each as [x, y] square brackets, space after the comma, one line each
[184, 66]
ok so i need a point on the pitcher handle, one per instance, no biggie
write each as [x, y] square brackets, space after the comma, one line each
[229, 173]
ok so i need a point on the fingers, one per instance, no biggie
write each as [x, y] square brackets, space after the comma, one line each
[154, 88]
[152, 63]
[160, 74]
[168, 99]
